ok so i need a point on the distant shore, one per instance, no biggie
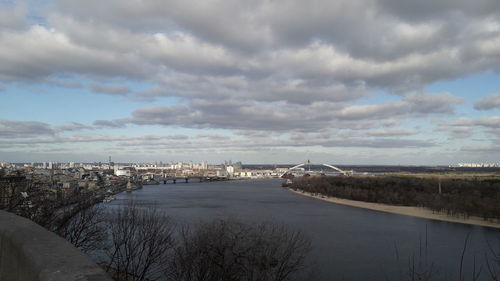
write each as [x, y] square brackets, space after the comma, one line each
[402, 210]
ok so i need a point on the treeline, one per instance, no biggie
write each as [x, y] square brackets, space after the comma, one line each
[451, 195]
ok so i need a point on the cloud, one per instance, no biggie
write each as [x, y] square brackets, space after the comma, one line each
[234, 115]
[461, 132]
[74, 126]
[435, 103]
[178, 142]
[391, 133]
[119, 90]
[108, 124]
[95, 139]
[490, 122]
[24, 129]
[213, 136]
[279, 70]
[489, 102]
[55, 54]
[464, 127]
[380, 111]
[286, 51]
[482, 149]
[421, 103]
[13, 17]
[278, 116]
[64, 83]
[427, 9]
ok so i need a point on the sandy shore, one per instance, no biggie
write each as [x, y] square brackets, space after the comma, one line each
[402, 210]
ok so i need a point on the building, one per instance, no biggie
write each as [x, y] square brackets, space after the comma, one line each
[124, 172]
[230, 171]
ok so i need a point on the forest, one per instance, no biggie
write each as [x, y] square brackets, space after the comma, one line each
[452, 195]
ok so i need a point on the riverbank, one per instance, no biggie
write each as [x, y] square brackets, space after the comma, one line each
[402, 210]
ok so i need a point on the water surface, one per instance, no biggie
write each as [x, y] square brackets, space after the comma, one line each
[349, 243]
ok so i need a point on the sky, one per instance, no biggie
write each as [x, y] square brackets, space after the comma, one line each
[391, 82]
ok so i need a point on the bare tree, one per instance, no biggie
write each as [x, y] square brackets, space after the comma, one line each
[140, 241]
[227, 250]
[85, 230]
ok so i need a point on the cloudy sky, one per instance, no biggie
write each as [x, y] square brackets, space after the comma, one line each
[261, 81]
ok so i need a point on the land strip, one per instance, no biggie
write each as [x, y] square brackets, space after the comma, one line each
[402, 210]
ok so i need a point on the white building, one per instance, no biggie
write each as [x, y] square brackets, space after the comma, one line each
[230, 171]
[125, 172]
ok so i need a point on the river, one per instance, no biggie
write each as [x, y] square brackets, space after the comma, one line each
[349, 243]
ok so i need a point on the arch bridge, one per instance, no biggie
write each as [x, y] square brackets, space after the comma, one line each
[343, 172]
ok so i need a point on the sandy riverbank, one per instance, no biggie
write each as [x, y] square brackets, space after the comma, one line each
[402, 210]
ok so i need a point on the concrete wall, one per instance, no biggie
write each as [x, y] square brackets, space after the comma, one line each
[28, 252]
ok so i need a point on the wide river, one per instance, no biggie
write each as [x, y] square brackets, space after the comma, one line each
[349, 243]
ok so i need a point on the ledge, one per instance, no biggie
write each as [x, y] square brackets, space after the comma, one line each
[28, 252]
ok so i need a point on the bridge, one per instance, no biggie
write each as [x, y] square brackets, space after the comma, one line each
[343, 172]
[165, 178]
[186, 179]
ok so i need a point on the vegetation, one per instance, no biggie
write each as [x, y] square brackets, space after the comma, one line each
[135, 244]
[455, 196]
[85, 229]
[140, 241]
[232, 250]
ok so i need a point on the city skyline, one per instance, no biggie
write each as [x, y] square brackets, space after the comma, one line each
[341, 82]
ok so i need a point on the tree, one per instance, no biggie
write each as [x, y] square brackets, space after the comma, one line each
[140, 241]
[227, 250]
[85, 230]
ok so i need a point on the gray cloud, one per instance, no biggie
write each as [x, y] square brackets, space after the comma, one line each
[236, 115]
[55, 54]
[429, 9]
[24, 129]
[94, 139]
[70, 84]
[108, 124]
[482, 149]
[464, 127]
[489, 102]
[213, 136]
[461, 132]
[436, 103]
[293, 50]
[177, 142]
[12, 17]
[260, 69]
[316, 116]
[74, 126]
[412, 104]
[490, 122]
[119, 90]
[391, 133]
